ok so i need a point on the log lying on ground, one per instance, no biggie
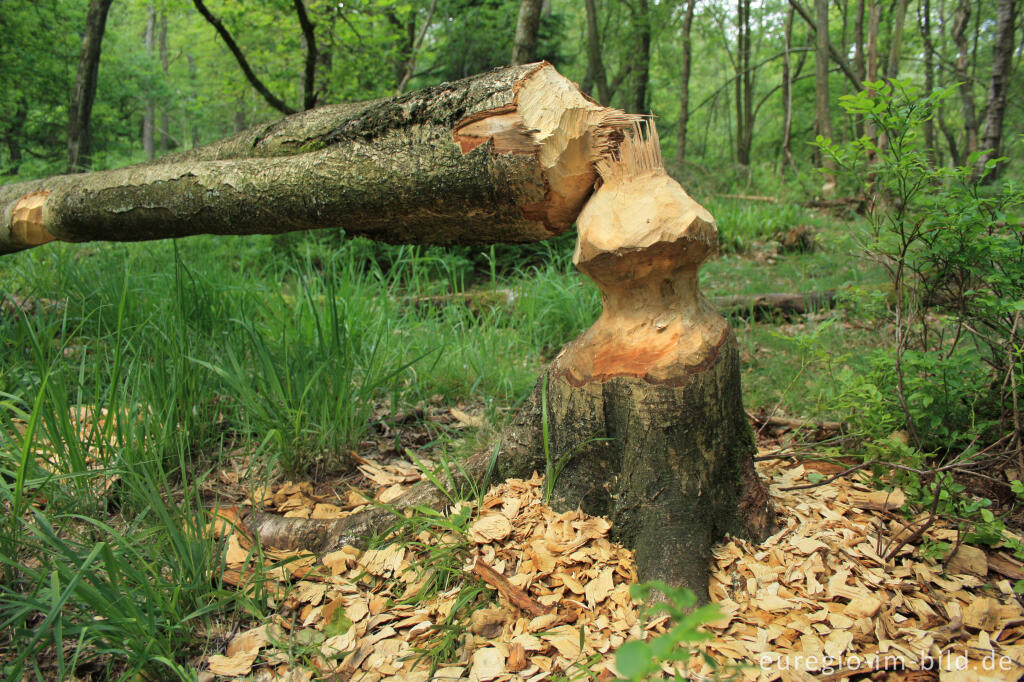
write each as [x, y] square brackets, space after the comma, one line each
[506, 156]
[764, 306]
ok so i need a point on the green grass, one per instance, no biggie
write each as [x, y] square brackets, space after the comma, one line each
[284, 348]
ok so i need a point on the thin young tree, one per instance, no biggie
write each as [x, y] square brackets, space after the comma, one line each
[83, 94]
[999, 85]
[684, 81]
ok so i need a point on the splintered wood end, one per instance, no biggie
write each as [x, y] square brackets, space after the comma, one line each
[567, 132]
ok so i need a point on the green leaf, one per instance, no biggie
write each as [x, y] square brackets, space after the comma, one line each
[633, 659]
[339, 623]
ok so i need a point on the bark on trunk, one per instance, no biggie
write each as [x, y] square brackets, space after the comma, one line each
[684, 83]
[963, 60]
[524, 49]
[896, 42]
[149, 113]
[999, 85]
[84, 93]
[596, 73]
[506, 156]
[822, 114]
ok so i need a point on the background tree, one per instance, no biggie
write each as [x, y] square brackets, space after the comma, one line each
[84, 92]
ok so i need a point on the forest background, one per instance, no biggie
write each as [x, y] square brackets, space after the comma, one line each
[729, 82]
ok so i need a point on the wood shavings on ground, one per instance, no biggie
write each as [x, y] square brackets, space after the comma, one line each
[816, 598]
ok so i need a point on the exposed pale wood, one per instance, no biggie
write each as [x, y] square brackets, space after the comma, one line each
[26, 221]
[1005, 566]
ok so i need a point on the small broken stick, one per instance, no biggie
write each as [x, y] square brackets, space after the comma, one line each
[514, 594]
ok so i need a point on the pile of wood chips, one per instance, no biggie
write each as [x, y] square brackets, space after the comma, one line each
[814, 598]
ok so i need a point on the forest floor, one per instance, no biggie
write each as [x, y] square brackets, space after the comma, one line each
[840, 591]
[144, 386]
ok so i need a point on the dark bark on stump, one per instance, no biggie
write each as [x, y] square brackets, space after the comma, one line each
[674, 470]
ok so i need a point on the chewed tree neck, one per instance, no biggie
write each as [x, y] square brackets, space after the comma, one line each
[642, 240]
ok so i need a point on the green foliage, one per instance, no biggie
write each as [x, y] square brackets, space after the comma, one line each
[956, 269]
[638, 660]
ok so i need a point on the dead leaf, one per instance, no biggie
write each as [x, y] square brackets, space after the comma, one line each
[233, 666]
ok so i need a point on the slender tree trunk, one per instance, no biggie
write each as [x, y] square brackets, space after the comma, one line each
[963, 59]
[684, 83]
[325, 55]
[191, 129]
[822, 114]
[410, 63]
[858, 42]
[642, 58]
[149, 113]
[744, 85]
[896, 42]
[925, 24]
[505, 156]
[871, 65]
[165, 117]
[858, 56]
[309, 46]
[596, 73]
[84, 93]
[999, 85]
[787, 91]
[737, 85]
[949, 134]
[524, 49]
[12, 132]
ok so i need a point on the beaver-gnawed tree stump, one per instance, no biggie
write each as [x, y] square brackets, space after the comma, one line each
[643, 412]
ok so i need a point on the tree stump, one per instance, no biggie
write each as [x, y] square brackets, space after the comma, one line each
[641, 418]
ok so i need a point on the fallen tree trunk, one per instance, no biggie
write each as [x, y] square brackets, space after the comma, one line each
[763, 306]
[506, 156]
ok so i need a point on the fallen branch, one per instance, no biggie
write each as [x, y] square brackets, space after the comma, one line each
[761, 306]
[815, 427]
[748, 197]
[477, 300]
[327, 535]
[514, 594]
